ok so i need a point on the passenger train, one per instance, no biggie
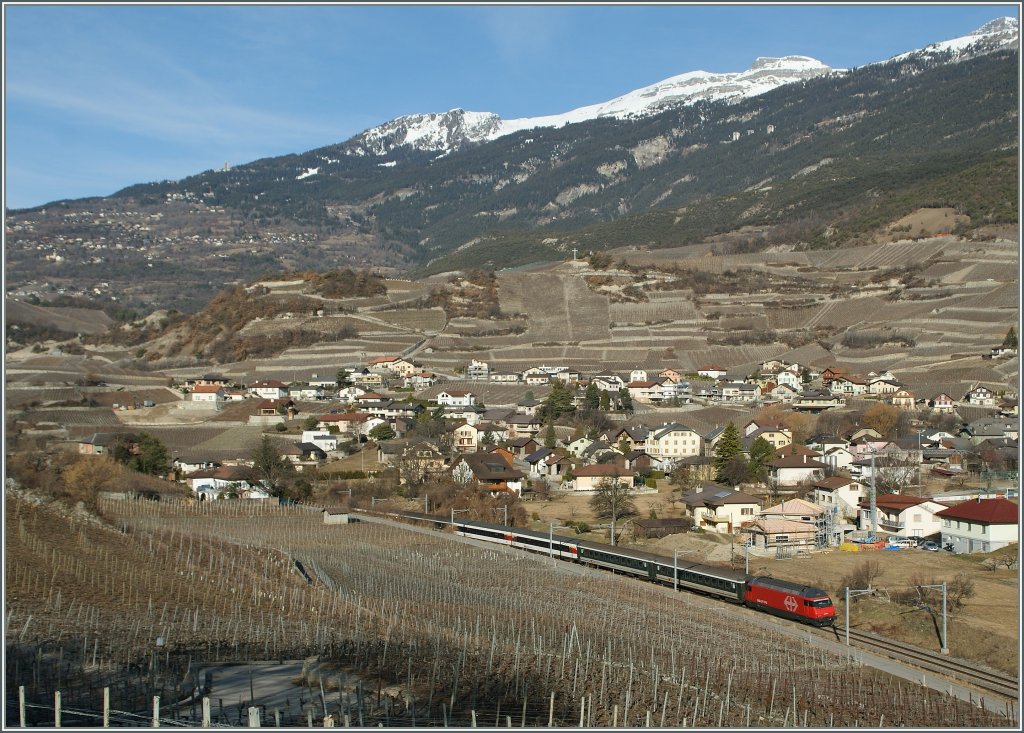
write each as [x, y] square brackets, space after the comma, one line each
[779, 597]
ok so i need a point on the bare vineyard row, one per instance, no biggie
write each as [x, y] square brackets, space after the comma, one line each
[457, 628]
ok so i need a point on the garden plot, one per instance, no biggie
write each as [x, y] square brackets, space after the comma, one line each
[93, 417]
[412, 319]
[652, 312]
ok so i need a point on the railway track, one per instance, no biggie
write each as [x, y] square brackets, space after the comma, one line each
[961, 670]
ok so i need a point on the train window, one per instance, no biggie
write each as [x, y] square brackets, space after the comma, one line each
[819, 603]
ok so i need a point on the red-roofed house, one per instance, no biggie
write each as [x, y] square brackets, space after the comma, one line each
[347, 423]
[902, 514]
[211, 393]
[980, 526]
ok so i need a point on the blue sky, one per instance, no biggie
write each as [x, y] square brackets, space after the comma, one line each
[100, 97]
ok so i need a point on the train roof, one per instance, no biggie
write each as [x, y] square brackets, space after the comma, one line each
[788, 587]
[710, 570]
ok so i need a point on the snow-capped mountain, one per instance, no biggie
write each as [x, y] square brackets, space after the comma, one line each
[445, 132]
[994, 35]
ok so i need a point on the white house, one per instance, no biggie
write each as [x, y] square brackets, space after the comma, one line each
[322, 440]
[269, 389]
[646, 392]
[589, 478]
[841, 492]
[212, 394]
[794, 469]
[982, 525]
[638, 375]
[904, 515]
[455, 398]
[672, 441]
[712, 372]
[981, 396]
[718, 509]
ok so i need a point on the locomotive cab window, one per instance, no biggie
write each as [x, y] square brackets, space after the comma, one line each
[819, 603]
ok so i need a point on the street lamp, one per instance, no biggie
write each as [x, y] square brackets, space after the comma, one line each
[551, 538]
[847, 605]
[944, 649]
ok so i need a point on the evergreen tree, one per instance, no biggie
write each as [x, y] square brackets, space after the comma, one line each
[626, 400]
[592, 399]
[559, 402]
[761, 454]
[729, 446]
[604, 402]
[1010, 342]
[549, 436]
[384, 431]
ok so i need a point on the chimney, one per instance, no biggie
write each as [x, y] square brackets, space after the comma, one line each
[804, 457]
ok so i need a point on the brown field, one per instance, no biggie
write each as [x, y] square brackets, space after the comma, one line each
[984, 630]
[413, 611]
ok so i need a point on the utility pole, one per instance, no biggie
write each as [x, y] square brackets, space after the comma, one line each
[847, 608]
[874, 512]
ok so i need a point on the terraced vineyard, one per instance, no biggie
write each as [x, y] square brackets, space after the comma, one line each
[446, 632]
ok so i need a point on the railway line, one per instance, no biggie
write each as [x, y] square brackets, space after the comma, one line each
[989, 681]
[997, 687]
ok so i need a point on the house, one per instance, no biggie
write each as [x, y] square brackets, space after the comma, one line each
[672, 441]
[348, 423]
[477, 371]
[655, 528]
[272, 408]
[797, 510]
[535, 461]
[590, 478]
[829, 374]
[816, 400]
[768, 533]
[537, 379]
[419, 380]
[793, 470]
[579, 445]
[880, 386]
[466, 438]
[368, 379]
[783, 393]
[608, 383]
[488, 472]
[718, 509]
[190, 464]
[351, 393]
[982, 525]
[455, 398]
[471, 414]
[213, 483]
[903, 399]
[639, 461]
[523, 426]
[635, 438]
[269, 389]
[306, 392]
[902, 514]
[419, 462]
[988, 428]
[212, 394]
[672, 375]
[393, 365]
[528, 406]
[980, 396]
[942, 403]
[777, 436]
[838, 458]
[646, 392]
[323, 440]
[522, 446]
[822, 442]
[712, 371]
[310, 452]
[99, 443]
[848, 385]
[838, 491]
[740, 392]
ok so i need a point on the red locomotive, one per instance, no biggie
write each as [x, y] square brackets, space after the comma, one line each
[789, 600]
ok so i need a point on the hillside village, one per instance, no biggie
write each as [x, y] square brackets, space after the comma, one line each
[788, 463]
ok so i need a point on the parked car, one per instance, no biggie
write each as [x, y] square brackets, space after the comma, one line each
[930, 546]
[902, 542]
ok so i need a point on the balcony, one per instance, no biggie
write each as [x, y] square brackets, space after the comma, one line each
[890, 524]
